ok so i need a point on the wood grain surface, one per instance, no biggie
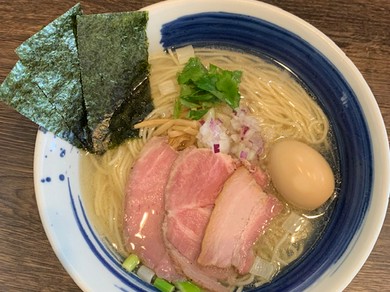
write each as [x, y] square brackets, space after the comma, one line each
[361, 28]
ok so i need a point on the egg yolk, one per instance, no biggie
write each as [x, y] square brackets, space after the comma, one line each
[300, 174]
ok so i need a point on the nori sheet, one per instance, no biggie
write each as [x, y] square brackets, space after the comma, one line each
[51, 58]
[113, 52]
[20, 92]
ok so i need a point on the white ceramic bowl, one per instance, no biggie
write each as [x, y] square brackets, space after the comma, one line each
[341, 91]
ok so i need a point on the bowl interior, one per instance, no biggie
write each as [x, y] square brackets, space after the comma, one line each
[338, 101]
[260, 29]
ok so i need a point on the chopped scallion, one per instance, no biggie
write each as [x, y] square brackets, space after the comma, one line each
[293, 223]
[163, 285]
[145, 274]
[263, 268]
[131, 262]
[187, 287]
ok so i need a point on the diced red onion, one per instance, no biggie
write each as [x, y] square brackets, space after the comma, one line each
[235, 137]
[216, 148]
[212, 124]
[243, 155]
[241, 137]
[244, 130]
[251, 155]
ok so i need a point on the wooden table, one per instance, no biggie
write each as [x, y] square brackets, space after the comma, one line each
[27, 263]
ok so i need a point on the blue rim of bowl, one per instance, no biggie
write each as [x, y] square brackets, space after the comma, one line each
[344, 100]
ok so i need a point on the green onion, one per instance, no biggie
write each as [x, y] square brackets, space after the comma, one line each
[163, 285]
[187, 287]
[145, 274]
[263, 268]
[131, 262]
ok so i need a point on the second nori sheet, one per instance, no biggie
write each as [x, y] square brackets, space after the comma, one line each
[113, 52]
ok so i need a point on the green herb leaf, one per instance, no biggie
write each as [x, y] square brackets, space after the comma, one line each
[228, 85]
[197, 114]
[188, 104]
[192, 71]
[203, 88]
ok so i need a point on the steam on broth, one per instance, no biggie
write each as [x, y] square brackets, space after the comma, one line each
[278, 106]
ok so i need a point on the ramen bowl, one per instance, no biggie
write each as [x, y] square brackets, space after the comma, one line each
[256, 28]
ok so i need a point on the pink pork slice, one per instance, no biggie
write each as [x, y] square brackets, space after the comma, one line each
[196, 179]
[241, 212]
[206, 277]
[144, 207]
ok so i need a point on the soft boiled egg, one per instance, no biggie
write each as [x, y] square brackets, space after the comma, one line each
[300, 174]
